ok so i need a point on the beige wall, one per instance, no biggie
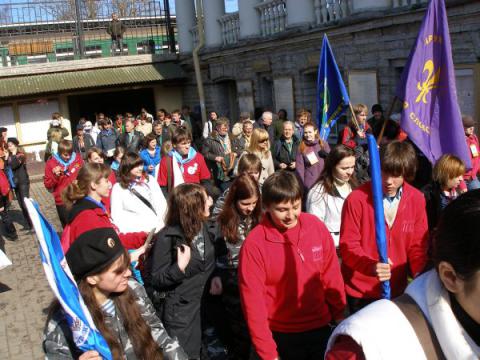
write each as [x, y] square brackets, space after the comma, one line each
[167, 97]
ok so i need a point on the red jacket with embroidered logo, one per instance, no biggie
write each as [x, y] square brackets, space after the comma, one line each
[286, 286]
[56, 184]
[407, 242]
[195, 170]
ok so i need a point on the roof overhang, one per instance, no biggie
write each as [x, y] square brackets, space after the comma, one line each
[57, 82]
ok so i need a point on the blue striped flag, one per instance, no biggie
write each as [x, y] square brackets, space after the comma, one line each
[85, 334]
[377, 191]
[332, 96]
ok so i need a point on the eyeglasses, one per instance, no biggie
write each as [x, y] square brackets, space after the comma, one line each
[263, 141]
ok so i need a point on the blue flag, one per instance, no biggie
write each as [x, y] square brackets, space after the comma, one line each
[332, 96]
[377, 191]
[85, 334]
[431, 115]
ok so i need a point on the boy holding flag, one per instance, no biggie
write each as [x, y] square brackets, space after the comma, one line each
[406, 231]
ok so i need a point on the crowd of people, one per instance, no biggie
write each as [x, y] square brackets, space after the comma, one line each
[255, 239]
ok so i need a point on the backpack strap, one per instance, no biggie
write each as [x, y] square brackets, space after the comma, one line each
[169, 174]
[425, 334]
[143, 200]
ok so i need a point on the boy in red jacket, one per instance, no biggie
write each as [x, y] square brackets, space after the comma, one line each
[60, 171]
[405, 224]
[289, 276]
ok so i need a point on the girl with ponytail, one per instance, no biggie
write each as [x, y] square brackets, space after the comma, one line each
[83, 200]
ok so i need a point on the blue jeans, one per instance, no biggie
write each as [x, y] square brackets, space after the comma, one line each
[117, 44]
[473, 184]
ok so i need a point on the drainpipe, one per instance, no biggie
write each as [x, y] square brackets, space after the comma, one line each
[196, 60]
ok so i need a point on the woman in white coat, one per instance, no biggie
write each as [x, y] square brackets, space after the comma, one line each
[337, 180]
[137, 202]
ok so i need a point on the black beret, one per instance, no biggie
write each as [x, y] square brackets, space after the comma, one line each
[13, 141]
[93, 251]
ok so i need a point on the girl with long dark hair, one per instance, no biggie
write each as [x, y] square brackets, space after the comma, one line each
[119, 306]
[137, 201]
[180, 263]
[240, 214]
[337, 180]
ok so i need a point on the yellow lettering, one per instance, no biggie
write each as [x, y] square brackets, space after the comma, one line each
[419, 123]
[405, 105]
[433, 38]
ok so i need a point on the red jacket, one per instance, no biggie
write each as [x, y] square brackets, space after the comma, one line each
[194, 171]
[4, 184]
[407, 242]
[474, 151]
[349, 133]
[289, 282]
[56, 184]
[86, 215]
[345, 348]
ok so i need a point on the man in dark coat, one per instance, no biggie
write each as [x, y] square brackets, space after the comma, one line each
[82, 142]
[285, 149]
[116, 29]
[131, 139]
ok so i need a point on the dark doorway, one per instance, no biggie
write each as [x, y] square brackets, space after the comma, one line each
[228, 100]
[110, 103]
[265, 92]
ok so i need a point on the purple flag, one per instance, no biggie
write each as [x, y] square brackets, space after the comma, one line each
[431, 115]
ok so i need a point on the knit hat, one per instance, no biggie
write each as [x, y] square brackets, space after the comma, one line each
[93, 251]
[468, 121]
[377, 107]
[80, 126]
[13, 140]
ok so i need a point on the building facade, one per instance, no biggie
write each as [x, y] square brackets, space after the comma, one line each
[267, 53]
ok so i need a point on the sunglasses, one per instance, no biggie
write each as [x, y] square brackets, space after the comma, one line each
[263, 141]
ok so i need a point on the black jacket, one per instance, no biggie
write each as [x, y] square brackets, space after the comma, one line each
[134, 145]
[87, 142]
[281, 153]
[19, 169]
[183, 291]
[433, 204]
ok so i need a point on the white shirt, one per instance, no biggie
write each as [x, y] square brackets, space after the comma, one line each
[130, 214]
[328, 208]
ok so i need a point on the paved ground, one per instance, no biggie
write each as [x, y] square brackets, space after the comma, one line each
[24, 292]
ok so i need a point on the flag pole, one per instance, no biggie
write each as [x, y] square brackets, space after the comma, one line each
[386, 118]
[354, 119]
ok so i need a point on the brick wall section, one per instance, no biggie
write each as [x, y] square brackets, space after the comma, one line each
[375, 41]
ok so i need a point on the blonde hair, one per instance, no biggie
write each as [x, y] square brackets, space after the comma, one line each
[358, 108]
[258, 136]
[447, 167]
